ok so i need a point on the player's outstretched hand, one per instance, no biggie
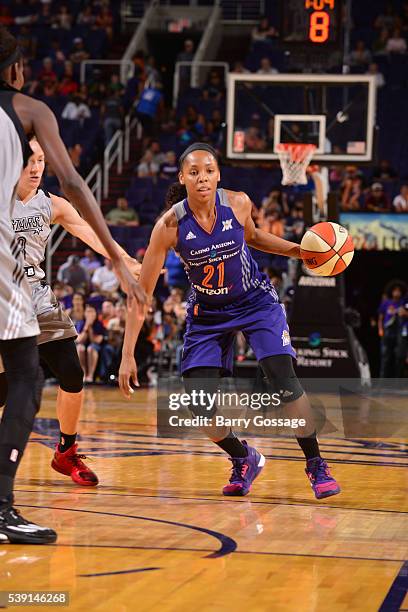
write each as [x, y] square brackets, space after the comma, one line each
[134, 266]
[129, 284]
[128, 374]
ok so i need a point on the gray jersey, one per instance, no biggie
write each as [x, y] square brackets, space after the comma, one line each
[32, 226]
[17, 317]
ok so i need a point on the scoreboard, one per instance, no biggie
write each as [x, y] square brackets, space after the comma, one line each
[315, 24]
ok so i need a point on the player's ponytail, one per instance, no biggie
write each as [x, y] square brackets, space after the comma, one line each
[175, 193]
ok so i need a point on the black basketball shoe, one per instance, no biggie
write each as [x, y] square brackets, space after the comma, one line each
[20, 531]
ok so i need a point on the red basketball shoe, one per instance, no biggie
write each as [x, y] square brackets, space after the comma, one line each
[71, 464]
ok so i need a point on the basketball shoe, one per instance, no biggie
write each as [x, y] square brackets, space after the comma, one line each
[20, 531]
[244, 471]
[71, 464]
[322, 482]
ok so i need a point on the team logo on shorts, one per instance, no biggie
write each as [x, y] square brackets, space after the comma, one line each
[285, 338]
[227, 225]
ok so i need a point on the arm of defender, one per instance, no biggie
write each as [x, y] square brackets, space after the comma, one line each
[164, 237]
[263, 241]
[66, 215]
[37, 117]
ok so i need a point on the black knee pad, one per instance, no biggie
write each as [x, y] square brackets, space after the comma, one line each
[3, 389]
[202, 379]
[62, 359]
[279, 372]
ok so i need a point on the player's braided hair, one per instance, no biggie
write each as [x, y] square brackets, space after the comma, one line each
[9, 50]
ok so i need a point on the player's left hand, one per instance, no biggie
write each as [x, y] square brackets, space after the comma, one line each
[133, 265]
[128, 374]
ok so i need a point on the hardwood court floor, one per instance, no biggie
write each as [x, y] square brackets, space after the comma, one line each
[158, 535]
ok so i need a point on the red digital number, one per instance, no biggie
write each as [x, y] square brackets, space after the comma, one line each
[319, 27]
[319, 5]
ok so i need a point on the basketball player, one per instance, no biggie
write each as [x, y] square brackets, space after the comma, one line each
[34, 212]
[207, 224]
[21, 115]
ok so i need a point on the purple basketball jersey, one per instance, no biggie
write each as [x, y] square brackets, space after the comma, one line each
[219, 264]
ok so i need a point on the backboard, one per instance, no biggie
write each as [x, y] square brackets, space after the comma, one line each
[332, 111]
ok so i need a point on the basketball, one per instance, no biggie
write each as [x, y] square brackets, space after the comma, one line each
[327, 249]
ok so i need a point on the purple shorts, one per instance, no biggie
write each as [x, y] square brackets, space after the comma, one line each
[210, 332]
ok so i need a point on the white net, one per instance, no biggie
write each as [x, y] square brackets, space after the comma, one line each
[294, 159]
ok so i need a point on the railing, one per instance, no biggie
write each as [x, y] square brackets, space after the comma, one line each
[113, 152]
[127, 68]
[194, 76]
[243, 11]
[94, 182]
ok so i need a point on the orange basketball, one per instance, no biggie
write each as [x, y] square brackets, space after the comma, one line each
[327, 249]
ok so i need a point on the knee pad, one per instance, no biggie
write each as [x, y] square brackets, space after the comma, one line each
[202, 379]
[279, 372]
[62, 359]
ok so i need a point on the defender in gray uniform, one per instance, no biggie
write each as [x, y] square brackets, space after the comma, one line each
[21, 115]
[34, 212]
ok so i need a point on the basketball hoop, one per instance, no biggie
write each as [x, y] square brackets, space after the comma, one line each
[294, 159]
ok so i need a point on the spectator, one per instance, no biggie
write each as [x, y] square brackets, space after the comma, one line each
[266, 67]
[239, 68]
[392, 322]
[352, 189]
[75, 153]
[68, 85]
[72, 273]
[122, 215]
[30, 84]
[271, 221]
[111, 350]
[169, 169]
[86, 17]
[91, 335]
[214, 89]
[111, 115]
[90, 262]
[264, 31]
[77, 309]
[152, 74]
[377, 200]
[105, 21]
[158, 156]
[47, 71]
[380, 43]
[78, 53]
[384, 171]
[175, 275]
[379, 77]
[107, 312]
[360, 56]
[56, 53]
[400, 202]
[115, 86]
[149, 107]
[27, 42]
[396, 43]
[104, 279]
[76, 110]
[63, 19]
[386, 19]
[187, 55]
[254, 140]
[147, 167]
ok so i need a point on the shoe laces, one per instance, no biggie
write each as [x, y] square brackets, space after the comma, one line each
[322, 471]
[77, 459]
[239, 468]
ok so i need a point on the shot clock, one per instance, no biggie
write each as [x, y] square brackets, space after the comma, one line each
[312, 23]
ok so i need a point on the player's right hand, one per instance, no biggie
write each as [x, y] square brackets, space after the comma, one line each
[128, 374]
[129, 284]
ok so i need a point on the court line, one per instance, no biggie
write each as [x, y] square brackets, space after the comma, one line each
[236, 552]
[132, 571]
[397, 591]
[228, 545]
[237, 500]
